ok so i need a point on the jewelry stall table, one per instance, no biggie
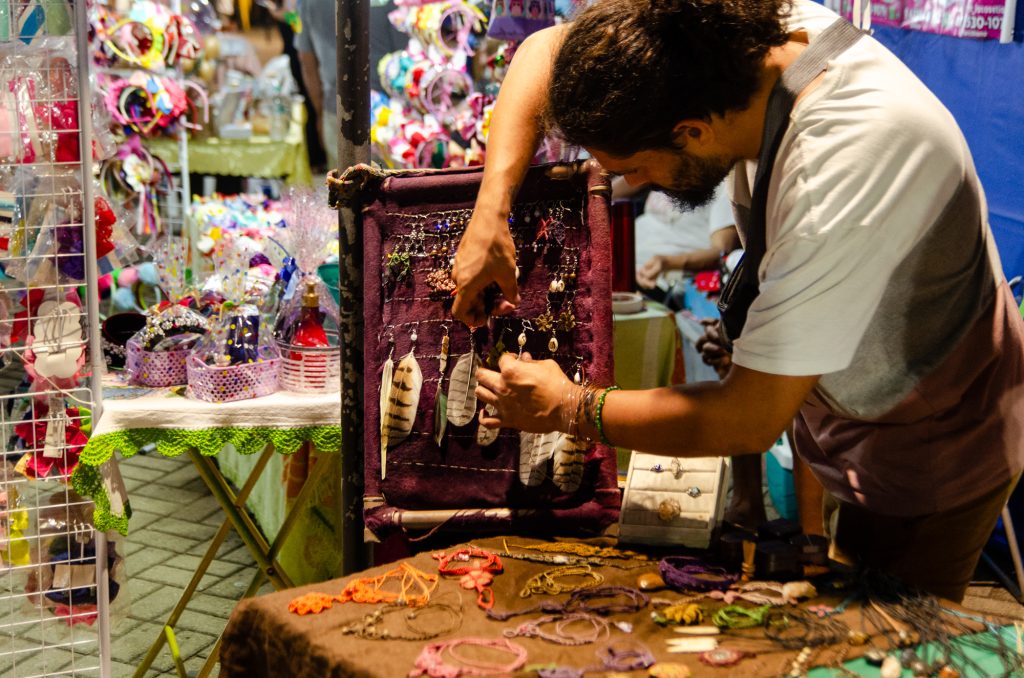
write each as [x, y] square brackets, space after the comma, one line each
[295, 425]
[263, 638]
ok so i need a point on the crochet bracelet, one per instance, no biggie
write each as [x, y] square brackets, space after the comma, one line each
[532, 629]
[431, 661]
[684, 572]
[473, 575]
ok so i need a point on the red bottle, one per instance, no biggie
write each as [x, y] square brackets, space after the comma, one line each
[623, 246]
[310, 329]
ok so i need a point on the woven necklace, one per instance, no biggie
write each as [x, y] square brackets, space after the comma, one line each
[548, 581]
[684, 572]
[629, 600]
[372, 625]
[432, 662]
[532, 629]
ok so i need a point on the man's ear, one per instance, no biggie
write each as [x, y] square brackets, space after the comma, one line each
[692, 131]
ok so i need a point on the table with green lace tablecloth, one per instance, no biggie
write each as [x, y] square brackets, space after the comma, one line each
[137, 418]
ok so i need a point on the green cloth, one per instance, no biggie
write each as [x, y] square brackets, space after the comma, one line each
[87, 481]
[254, 157]
[645, 346]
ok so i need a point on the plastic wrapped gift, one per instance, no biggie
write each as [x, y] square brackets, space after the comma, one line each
[308, 341]
[307, 324]
[156, 354]
[237, 359]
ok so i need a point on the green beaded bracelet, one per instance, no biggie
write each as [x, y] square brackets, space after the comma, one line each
[597, 414]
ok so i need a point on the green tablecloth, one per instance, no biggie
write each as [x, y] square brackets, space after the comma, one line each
[646, 348]
[258, 156]
[134, 418]
[648, 354]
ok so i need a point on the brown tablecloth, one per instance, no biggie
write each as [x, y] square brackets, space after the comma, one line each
[264, 639]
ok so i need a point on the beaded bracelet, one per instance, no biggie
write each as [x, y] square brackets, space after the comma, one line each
[598, 421]
[370, 627]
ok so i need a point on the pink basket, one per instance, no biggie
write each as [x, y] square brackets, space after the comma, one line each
[237, 382]
[156, 368]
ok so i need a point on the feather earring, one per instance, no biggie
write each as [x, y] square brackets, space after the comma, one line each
[462, 389]
[567, 464]
[440, 399]
[386, 377]
[403, 401]
[535, 449]
[485, 436]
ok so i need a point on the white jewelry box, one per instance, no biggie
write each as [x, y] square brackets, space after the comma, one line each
[671, 500]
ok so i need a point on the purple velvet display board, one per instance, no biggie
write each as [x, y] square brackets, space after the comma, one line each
[413, 222]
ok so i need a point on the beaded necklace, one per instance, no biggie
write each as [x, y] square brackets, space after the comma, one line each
[566, 559]
[371, 626]
[431, 661]
[547, 581]
[582, 601]
[583, 550]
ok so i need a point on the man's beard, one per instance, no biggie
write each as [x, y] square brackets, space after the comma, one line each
[694, 181]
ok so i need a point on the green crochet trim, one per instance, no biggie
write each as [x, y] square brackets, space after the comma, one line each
[88, 481]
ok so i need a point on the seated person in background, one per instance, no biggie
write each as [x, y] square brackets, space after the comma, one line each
[669, 240]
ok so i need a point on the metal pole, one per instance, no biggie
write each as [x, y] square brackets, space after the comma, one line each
[353, 35]
[92, 307]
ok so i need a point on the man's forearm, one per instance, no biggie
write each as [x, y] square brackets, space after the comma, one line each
[517, 122]
[744, 414]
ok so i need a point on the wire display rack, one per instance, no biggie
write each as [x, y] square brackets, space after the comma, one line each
[55, 570]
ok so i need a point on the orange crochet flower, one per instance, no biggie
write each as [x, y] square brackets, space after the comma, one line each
[311, 603]
[476, 579]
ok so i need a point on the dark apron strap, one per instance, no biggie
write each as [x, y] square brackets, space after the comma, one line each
[743, 286]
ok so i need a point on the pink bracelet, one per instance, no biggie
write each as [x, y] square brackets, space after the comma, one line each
[431, 660]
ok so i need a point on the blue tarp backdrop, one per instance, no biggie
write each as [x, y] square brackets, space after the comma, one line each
[982, 84]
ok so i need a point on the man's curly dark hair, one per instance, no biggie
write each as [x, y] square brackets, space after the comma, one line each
[629, 70]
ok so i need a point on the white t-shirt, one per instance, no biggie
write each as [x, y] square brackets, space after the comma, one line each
[862, 174]
[664, 229]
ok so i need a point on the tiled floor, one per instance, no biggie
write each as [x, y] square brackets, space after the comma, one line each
[174, 518]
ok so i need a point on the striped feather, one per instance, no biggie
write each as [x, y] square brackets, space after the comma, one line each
[403, 400]
[485, 436]
[462, 390]
[567, 464]
[535, 449]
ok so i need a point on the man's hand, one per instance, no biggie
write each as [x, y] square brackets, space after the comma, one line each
[713, 348]
[486, 255]
[527, 395]
[647, 276]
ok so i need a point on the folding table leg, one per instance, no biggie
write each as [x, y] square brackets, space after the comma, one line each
[305, 494]
[240, 520]
[208, 557]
